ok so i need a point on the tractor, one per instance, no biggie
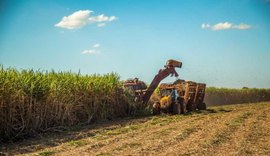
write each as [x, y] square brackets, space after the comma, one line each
[178, 97]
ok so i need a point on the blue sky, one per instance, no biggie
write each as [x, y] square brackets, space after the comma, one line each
[222, 43]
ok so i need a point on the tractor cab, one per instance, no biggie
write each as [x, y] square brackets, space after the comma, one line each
[165, 89]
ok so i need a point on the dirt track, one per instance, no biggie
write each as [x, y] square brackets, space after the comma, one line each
[227, 130]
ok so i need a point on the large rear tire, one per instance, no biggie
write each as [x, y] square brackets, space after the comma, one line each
[189, 106]
[182, 108]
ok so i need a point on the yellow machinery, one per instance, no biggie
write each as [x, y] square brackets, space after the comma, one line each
[180, 97]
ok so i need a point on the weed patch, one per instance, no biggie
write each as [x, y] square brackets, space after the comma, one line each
[77, 143]
[46, 153]
[187, 132]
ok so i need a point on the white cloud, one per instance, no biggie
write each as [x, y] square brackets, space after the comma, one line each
[83, 17]
[94, 50]
[75, 20]
[225, 25]
[242, 26]
[96, 45]
[205, 26]
[90, 51]
[102, 18]
[222, 26]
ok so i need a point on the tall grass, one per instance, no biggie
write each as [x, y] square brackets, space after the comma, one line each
[36, 101]
[220, 96]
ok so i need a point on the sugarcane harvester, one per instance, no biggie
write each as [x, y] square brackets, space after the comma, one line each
[162, 74]
[178, 97]
[142, 93]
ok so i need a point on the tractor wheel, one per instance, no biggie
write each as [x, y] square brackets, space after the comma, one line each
[182, 108]
[156, 108]
[201, 106]
[189, 106]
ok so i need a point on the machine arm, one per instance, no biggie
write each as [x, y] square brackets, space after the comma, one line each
[162, 74]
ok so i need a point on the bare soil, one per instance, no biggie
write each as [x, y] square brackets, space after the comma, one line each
[222, 130]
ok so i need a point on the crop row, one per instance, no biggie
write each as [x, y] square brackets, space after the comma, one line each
[220, 96]
[38, 101]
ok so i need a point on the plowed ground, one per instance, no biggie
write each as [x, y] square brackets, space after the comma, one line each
[224, 130]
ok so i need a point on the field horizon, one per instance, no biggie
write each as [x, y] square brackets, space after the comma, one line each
[134, 77]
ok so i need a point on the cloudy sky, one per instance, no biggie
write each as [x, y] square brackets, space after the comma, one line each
[224, 43]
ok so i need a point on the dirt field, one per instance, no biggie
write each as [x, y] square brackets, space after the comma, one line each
[224, 130]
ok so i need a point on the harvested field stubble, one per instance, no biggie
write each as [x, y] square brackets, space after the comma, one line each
[221, 130]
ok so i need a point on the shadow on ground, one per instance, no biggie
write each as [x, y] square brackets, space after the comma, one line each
[59, 136]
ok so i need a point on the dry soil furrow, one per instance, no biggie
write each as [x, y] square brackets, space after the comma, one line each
[152, 143]
[196, 140]
[240, 136]
[158, 142]
[116, 141]
[222, 138]
[228, 130]
[53, 140]
[95, 144]
[226, 142]
[257, 141]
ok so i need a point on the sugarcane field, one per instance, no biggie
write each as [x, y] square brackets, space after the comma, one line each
[134, 78]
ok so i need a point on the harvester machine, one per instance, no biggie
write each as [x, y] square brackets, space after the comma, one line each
[178, 97]
[142, 92]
